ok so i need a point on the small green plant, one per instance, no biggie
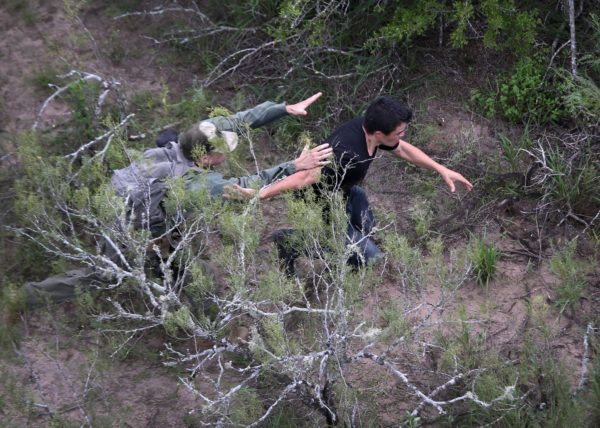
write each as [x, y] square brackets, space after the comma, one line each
[395, 323]
[571, 273]
[287, 416]
[594, 391]
[23, 9]
[509, 150]
[43, 78]
[463, 344]
[513, 151]
[411, 421]
[246, 407]
[73, 7]
[178, 319]
[537, 311]
[485, 258]
[193, 106]
[422, 215]
[116, 49]
[12, 302]
[406, 259]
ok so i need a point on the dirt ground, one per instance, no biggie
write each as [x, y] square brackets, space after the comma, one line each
[61, 367]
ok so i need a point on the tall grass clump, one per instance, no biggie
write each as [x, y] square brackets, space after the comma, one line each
[572, 275]
[485, 258]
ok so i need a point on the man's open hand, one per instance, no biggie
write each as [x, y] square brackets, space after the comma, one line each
[313, 158]
[451, 177]
[236, 192]
[299, 109]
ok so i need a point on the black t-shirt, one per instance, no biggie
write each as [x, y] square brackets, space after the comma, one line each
[351, 157]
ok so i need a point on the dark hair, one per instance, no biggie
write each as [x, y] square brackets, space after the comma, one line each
[385, 114]
[192, 140]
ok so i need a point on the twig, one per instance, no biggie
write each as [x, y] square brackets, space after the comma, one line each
[143, 135]
[83, 76]
[248, 52]
[160, 11]
[73, 156]
[584, 360]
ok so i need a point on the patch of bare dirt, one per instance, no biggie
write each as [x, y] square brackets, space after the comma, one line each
[94, 43]
[66, 375]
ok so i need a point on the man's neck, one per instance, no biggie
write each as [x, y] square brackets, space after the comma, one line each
[372, 142]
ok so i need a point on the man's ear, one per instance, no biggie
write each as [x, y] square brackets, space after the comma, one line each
[203, 160]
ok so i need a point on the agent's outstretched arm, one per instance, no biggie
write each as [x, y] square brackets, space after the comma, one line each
[292, 182]
[261, 115]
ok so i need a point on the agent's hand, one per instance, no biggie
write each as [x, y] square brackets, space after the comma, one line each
[236, 192]
[313, 158]
[451, 177]
[299, 109]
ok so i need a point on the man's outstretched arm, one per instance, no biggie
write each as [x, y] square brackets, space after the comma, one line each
[416, 156]
[262, 114]
[292, 182]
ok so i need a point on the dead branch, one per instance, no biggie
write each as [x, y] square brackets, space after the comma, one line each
[571, 8]
[84, 77]
[143, 135]
[585, 358]
[508, 393]
[73, 156]
[162, 10]
[247, 53]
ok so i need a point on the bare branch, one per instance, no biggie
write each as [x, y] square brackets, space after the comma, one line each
[585, 360]
[73, 156]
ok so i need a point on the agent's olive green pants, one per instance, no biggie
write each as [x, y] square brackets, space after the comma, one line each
[60, 288]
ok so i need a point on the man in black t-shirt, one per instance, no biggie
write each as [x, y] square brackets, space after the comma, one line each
[355, 145]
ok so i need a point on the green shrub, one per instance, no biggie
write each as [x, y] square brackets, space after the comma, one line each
[395, 323]
[581, 98]
[422, 215]
[246, 407]
[485, 258]
[406, 259]
[525, 94]
[12, 302]
[506, 25]
[193, 106]
[82, 96]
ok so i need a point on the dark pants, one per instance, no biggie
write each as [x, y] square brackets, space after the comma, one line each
[360, 225]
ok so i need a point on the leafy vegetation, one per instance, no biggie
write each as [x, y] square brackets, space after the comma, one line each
[526, 94]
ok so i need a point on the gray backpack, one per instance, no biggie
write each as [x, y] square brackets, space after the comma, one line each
[142, 184]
